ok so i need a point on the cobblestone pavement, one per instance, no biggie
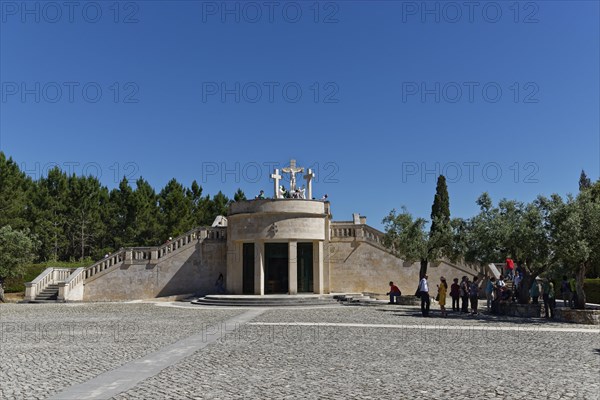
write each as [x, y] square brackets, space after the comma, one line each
[45, 348]
[383, 352]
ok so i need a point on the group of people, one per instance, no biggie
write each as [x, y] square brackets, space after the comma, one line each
[546, 290]
[464, 293]
[467, 291]
[568, 290]
[290, 194]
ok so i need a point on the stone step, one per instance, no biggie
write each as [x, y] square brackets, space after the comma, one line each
[40, 301]
[53, 297]
[264, 301]
[48, 293]
[263, 304]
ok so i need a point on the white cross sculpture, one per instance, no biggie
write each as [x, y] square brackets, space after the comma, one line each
[292, 170]
[276, 178]
[309, 177]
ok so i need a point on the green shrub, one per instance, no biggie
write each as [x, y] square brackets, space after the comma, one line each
[32, 271]
[592, 290]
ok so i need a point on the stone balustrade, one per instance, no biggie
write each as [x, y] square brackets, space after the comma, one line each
[38, 284]
[72, 287]
[357, 232]
[152, 255]
[49, 276]
[104, 264]
[70, 283]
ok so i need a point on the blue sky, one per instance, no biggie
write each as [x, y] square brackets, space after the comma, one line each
[500, 96]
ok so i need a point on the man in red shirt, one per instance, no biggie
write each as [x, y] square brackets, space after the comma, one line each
[510, 268]
[394, 293]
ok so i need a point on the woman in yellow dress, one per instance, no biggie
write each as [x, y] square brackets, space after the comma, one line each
[442, 290]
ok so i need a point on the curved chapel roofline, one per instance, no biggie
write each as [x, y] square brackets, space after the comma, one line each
[303, 206]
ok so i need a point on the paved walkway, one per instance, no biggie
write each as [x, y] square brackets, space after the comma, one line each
[174, 351]
[129, 375]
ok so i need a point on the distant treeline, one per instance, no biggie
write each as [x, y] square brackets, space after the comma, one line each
[74, 217]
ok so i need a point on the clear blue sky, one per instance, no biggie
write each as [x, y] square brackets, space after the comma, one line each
[380, 101]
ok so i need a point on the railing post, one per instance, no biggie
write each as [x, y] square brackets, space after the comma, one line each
[154, 256]
[128, 257]
[359, 233]
[63, 289]
[30, 291]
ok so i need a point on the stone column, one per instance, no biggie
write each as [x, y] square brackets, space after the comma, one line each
[234, 273]
[259, 268]
[293, 267]
[318, 281]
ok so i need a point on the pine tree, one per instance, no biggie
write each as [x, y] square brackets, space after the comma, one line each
[440, 232]
[122, 221]
[48, 213]
[14, 189]
[239, 195]
[175, 210]
[147, 227]
[83, 215]
[218, 206]
[584, 181]
[200, 205]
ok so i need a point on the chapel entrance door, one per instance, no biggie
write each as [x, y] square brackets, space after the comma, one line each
[305, 268]
[276, 268]
[248, 268]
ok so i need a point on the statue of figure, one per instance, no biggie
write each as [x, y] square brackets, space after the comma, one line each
[292, 170]
[282, 191]
[302, 192]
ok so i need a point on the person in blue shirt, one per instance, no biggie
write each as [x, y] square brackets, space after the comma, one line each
[489, 292]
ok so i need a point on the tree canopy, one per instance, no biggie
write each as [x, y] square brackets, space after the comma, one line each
[547, 235]
[76, 217]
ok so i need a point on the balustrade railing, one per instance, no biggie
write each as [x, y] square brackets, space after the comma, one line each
[66, 289]
[34, 287]
[360, 232]
[68, 280]
[152, 255]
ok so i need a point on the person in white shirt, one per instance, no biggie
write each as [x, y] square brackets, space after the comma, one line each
[424, 292]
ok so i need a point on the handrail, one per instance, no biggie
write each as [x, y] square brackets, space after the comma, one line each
[66, 289]
[104, 264]
[376, 237]
[41, 276]
[40, 283]
[137, 255]
[68, 280]
[359, 231]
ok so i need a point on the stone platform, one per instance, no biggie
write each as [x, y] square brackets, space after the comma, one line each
[272, 300]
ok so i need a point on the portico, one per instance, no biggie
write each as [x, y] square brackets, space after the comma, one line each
[275, 246]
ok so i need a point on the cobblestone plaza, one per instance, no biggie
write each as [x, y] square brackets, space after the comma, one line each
[180, 351]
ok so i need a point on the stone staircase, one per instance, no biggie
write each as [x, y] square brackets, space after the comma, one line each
[49, 294]
[64, 284]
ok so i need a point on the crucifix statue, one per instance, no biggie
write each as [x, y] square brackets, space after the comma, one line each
[292, 170]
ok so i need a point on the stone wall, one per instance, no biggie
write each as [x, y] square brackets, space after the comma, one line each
[521, 310]
[587, 317]
[360, 266]
[192, 269]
